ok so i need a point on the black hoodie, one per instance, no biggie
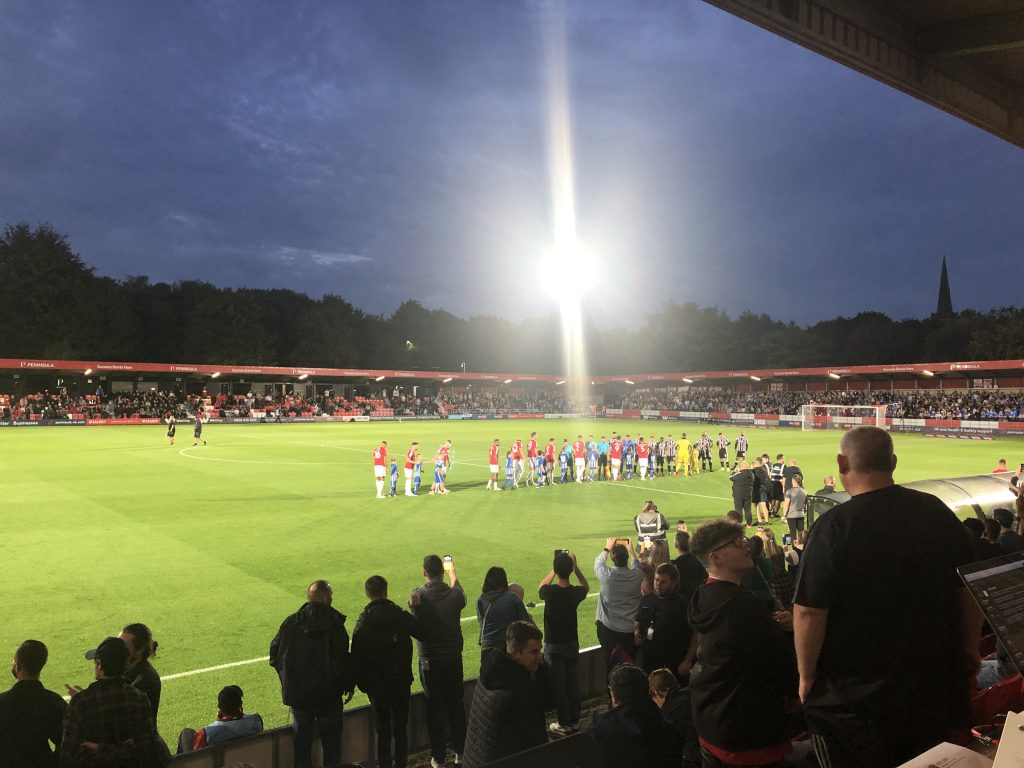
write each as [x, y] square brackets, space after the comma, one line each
[381, 646]
[310, 654]
[745, 666]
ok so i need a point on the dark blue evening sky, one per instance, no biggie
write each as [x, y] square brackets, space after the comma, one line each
[393, 150]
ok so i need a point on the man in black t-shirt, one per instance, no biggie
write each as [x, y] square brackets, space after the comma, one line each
[886, 635]
[561, 640]
[691, 573]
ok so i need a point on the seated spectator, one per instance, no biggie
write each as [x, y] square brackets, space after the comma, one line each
[231, 722]
[691, 572]
[992, 531]
[110, 722]
[983, 548]
[139, 672]
[561, 639]
[828, 487]
[31, 717]
[618, 601]
[661, 631]
[745, 675]
[1008, 539]
[507, 714]
[674, 703]
[496, 608]
[633, 734]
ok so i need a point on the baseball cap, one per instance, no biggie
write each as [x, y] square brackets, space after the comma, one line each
[112, 654]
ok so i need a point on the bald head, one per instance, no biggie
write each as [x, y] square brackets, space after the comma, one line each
[320, 592]
[866, 450]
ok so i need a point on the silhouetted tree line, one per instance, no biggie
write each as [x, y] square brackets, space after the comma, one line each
[54, 306]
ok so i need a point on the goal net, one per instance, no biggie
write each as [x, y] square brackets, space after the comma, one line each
[817, 416]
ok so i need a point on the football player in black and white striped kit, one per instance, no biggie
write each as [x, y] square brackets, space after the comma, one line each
[741, 450]
[723, 450]
[704, 452]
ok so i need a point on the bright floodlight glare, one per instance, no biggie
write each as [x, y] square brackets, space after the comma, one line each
[507, 381]
[379, 378]
[215, 374]
[445, 381]
[560, 383]
[834, 376]
[88, 371]
[688, 381]
[568, 272]
[927, 373]
[303, 377]
[627, 381]
[755, 378]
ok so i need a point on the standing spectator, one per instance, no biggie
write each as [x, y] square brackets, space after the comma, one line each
[496, 608]
[109, 723]
[761, 489]
[661, 631]
[745, 671]
[139, 672]
[632, 734]
[507, 715]
[382, 660]
[884, 628]
[30, 715]
[1008, 539]
[561, 638]
[310, 654]
[691, 572]
[789, 473]
[776, 474]
[618, 600]
[743, 491]
[656, 554]
[231, 723]
[794, 509]
[438, 607]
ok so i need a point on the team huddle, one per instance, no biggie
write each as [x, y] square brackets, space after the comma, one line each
[615, 459]
[413, 469]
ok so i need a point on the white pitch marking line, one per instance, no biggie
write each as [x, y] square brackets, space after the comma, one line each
[182, 452]
[247, 662]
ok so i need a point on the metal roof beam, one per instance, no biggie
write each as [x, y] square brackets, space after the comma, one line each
[982, 34]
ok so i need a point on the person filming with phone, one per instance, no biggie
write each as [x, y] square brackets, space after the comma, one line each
[618, 600]
[438, 608]
[561, 638]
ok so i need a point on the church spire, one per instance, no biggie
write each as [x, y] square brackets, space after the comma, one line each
[944, 310]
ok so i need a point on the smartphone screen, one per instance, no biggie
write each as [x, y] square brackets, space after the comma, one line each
[447, 562]
[787, 538]
[561, 551]
[623, 542]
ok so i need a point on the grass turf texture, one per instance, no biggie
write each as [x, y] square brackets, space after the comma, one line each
[213, 546]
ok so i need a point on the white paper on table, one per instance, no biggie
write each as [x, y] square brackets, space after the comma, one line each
[947, 755]
[1011, 746]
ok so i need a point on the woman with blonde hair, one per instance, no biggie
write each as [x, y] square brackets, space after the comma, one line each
[657, 554]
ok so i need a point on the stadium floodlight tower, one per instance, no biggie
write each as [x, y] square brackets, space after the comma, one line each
[821, 416]
[567, 268]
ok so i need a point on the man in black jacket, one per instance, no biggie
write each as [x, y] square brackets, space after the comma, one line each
[743, 491]
[632, 734]
[745, 675]
[662, 634]
[382, 660]
[30, 716]
[508, 704]
[310, 654]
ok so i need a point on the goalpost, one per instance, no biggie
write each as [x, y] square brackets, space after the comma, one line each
[820, 416]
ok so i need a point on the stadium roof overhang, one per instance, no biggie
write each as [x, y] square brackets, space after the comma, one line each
[963, 56]
[456, 378]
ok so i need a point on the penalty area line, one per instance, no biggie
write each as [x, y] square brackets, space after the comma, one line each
[247, 662]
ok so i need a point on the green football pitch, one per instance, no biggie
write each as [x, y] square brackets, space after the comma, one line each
[212, 546]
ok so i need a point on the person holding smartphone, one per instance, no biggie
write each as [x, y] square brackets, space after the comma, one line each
[438, 608]
[561, 638]
[618, 600]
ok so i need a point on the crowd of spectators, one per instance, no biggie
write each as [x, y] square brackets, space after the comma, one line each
[708, 653]
[479, 401]
[969, 405]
